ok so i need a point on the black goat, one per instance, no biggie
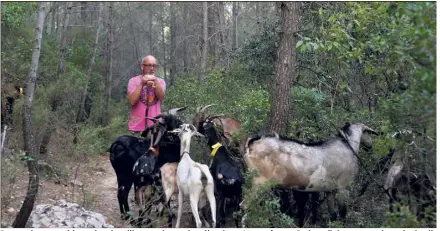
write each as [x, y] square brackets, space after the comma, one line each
[227, 174]
[123, 154]
[126, 150]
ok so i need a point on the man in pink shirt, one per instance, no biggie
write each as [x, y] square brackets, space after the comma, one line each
[145, 93]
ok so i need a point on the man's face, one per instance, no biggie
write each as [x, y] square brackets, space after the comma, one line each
[148, 66]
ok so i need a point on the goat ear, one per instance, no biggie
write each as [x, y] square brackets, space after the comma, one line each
[346, 126]
[176, 131]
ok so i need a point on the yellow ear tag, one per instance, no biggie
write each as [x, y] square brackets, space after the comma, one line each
[215, 147]
[21, 91]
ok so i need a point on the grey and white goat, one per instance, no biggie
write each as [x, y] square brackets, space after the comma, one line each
[193, 179]
[325, 166]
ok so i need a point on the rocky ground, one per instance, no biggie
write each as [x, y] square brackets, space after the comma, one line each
[90, 183]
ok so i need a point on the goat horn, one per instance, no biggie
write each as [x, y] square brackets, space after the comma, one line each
[205, 107]
[370, 130]
[146, 131]
[214, 116]
[159, 136]
[160, 116]
[175, 110]
[152, 119]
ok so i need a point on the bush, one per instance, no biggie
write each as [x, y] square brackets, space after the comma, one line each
[262, 207]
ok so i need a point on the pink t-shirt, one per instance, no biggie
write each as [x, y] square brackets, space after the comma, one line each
[147, 100]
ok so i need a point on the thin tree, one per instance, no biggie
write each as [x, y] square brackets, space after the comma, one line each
[54, 102]
[135, 46]
[280, 97]
[29, 139]
[108, 85]
[205, 41]
[234, 25]
[150, 28]
[185, 34]
[164, 50]
[173, 43]
[82, 115]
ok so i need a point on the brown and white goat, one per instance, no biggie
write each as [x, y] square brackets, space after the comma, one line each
[193, 179]
[328, 166]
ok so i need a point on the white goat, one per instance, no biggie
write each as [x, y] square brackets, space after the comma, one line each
[190, 180]
[319, 167]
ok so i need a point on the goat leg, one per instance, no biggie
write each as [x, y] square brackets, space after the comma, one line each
[123, 191]
[167, 207]
[315, 201]
[220, 210]
[179, 209]
[237, 217]
[209, 189]
[194, 200]
[205, 211]
[301, 198]
[331, 206]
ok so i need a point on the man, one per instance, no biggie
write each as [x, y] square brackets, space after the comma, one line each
[145, 93]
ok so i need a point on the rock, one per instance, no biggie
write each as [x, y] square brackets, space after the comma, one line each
[66, 215]
[76, 183]
[12, 211]
[4, 225]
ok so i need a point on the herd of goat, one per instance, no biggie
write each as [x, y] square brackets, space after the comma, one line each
[159, 164]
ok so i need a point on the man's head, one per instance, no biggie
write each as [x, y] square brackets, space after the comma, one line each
[148, 65]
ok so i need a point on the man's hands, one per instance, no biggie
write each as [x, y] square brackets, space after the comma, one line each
[148, 79]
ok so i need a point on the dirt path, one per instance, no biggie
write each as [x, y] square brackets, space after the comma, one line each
[92, 184]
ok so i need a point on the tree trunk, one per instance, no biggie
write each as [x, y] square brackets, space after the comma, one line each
[54, 102]
[53, 21]
[48, 19]
[234, 26]
[29, 140]
[150, 30]
[164, 52]
[212, 34]
[205, 41]
[223, 56]
[135, 46]
[82, 115]
[280, 97]
[108, 82]
[258, 16]
[173, 47]
[185, 40]
[63, 40]
[83, 11]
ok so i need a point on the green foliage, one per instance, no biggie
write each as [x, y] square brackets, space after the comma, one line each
[97, 139]
[249, 105]
[15, 14]
[262, 208]
[259, 55]
[402, 219]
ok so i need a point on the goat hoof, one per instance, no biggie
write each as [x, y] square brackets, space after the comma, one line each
[125, 217]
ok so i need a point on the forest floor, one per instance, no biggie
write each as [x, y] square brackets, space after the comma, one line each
[90, 182]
